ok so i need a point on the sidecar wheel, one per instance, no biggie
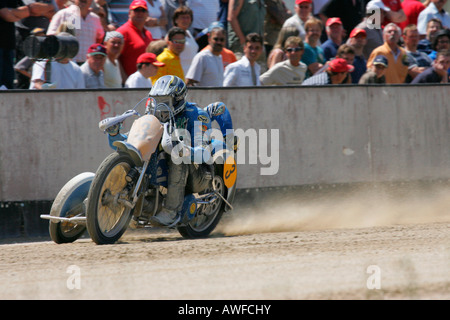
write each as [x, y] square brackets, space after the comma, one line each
[108, 218]
[69, 203]
[208, 216]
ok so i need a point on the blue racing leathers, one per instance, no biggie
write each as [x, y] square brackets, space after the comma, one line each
[188, 146]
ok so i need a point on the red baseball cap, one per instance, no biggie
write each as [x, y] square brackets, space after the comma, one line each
[97, 48]
[340, 65]
[138, 4]
[358, 31]
[149, 57]
[334, 20]
[301, 1]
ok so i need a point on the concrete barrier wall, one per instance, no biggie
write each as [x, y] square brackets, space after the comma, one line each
[325, 134]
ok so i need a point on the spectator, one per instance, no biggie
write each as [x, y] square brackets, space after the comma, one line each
[441, 42]
[112, 70]
[88, 26]
[398, 65]
[147, 67]
[350, 13]
[207, 67]
[118, 13]
[358, 39]
[24, 67]
[433, 26]
[26, 25]
[438, 73]
[412, 9]
[102, 9]
[374, 33]
[10, 12]
[335, 33]
[246, 71]
[318, 5]
[227, 55]
[434, 10]
[290, 71]
[375, 75]
[347, 53]
[303, 9]
[136, 37]
[277, 54]
[396, 13]
[182, 18]
[276, 15]
[313, 55]
[336, 73]
[419, 60]
[205, 13]
[157, 20]
[58, 74]
[244, 17]
[169, 7]
[93, 67]
[23, 30]
[223, 14]
[171, 55]
[156, 47]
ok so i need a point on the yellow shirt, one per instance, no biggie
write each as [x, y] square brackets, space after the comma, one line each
[172, 67]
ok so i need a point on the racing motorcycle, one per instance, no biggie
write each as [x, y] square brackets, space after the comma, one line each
[130, 184]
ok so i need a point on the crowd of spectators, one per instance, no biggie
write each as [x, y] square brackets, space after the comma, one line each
[131, 43]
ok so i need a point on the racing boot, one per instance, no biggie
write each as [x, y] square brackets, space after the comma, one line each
[164, 218]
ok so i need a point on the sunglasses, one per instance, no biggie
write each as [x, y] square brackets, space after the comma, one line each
[219, 39]
[291, 50]
[140, 10]
[181, 41]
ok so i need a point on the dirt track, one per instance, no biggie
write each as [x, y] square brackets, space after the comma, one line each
[315, 250]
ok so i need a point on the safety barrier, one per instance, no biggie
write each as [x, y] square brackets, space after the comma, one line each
[290, 136]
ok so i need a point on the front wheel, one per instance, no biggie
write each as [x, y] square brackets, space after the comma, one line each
[107, 215]
[208, 215]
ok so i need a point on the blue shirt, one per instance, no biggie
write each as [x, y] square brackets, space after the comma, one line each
[329, 49]
[360, 65]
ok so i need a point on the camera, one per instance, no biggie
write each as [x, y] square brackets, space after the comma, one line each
[61, 46]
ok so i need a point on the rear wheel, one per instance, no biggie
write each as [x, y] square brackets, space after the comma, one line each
[208, 215]
[107, 214]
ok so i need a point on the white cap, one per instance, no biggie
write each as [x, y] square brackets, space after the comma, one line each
[376, 4]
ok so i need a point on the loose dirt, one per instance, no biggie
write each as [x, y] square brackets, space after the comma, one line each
[365, 245]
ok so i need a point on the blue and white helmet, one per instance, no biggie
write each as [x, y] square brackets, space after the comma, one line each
[170, 87]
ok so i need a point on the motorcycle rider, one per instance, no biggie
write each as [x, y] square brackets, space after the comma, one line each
[187, 165]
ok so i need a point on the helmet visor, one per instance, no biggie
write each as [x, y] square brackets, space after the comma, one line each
[161, 107]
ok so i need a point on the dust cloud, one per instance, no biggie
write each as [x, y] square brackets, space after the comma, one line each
[361, 208]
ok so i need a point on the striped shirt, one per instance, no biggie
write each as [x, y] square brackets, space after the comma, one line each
[87, 30]
[318, 80]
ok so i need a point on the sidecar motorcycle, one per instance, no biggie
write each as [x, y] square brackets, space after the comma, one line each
[130, 184]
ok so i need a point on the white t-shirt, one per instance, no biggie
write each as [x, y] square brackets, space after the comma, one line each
[155, 12]
[284, 73]
[137, 80]
[111, 74]
[296, 22]
[205, 12]
[63, 76]
[207, 69]
[189, 52]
